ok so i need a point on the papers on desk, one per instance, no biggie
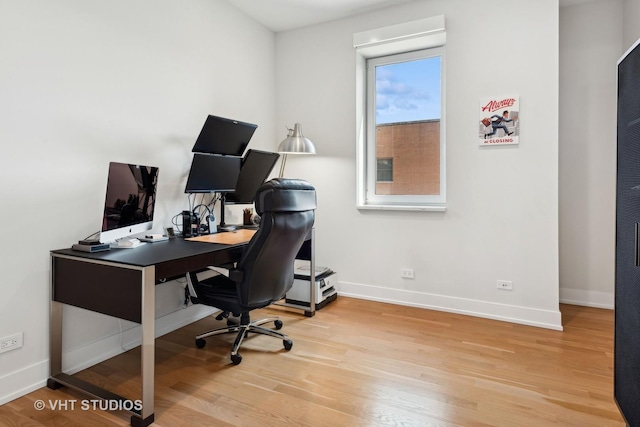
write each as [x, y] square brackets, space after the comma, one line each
[305, 271]
[226, 238]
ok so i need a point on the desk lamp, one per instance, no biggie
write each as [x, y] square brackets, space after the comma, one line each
[294, 143]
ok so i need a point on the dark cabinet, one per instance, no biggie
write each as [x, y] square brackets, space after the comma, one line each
[627, 288]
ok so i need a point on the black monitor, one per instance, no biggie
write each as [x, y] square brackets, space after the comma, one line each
[256, 167]
[224, 136]
[129, 201]
[213, 174]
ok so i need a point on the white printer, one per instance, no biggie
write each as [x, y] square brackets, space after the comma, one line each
[325, 286]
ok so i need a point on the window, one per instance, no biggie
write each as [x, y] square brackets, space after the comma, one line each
[403, 124]
[384, 170]
[401, 149]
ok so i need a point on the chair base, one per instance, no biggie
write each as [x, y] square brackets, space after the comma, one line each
[243, 330]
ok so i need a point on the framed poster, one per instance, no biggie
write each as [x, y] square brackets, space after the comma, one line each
[499, 121]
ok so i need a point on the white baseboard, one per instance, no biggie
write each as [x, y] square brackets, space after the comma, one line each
[24, 381]
[587, 298]
[508, 313]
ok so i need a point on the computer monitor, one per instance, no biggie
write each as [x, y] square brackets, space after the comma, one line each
[256, 167]
[129, 202]
[224, 136]
[213, 174]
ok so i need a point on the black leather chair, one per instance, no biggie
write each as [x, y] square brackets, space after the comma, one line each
[265, 271]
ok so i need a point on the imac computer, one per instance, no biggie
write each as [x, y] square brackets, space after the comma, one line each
[256, 167]
[224, 136]
[130, 201]
[213, 174]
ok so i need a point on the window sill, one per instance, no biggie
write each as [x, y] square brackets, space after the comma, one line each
[429, 208]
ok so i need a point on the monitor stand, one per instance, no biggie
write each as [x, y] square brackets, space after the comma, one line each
[127, 243]
[223, 226]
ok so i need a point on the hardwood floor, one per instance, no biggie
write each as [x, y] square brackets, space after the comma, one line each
[362, 363]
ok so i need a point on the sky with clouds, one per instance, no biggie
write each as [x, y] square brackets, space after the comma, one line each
[408, 91]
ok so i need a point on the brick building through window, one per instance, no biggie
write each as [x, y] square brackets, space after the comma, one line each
[414, 150]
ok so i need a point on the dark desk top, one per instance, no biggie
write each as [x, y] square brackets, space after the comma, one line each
[155, 253]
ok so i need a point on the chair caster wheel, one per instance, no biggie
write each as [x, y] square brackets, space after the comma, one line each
[287, 344]
[236, 359]
[278, 324]
[200, 342]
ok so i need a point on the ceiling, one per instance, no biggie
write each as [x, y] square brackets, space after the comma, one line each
[283, 15]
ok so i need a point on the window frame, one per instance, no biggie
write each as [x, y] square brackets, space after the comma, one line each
[421, 35]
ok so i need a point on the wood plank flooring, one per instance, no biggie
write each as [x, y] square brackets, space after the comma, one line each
[362, 363]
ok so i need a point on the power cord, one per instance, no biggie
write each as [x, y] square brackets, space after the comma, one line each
[174, 221]
[187, 296]
[122, 336]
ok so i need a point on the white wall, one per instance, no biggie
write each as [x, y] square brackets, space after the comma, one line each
[590, 45]
[85, 82]
[631, 19]
[502, 216]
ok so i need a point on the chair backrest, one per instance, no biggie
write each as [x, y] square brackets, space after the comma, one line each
[287, 211]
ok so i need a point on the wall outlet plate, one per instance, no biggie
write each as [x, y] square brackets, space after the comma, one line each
[506, 285]
[407, 273]
[11, 342]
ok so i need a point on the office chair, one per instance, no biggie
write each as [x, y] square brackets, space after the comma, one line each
[265, 270]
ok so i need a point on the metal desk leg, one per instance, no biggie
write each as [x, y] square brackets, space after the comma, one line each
[142, 416]
[55, 344]
[312, 276]
[147, 348]
[55, 337]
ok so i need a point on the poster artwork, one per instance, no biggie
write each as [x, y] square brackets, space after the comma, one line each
[499, 121]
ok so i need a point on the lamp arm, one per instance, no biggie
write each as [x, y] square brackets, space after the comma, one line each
[282, 165]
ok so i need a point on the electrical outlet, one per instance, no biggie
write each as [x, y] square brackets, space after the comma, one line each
[406, 273]
[506, 285]
[11, 343]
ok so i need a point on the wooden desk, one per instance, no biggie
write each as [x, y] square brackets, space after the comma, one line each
[121, 283]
